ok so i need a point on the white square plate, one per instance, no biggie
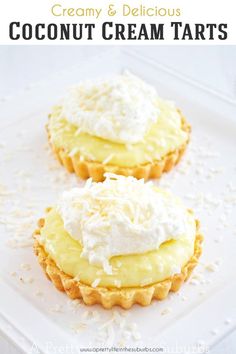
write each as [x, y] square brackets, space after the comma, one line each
[31, 310]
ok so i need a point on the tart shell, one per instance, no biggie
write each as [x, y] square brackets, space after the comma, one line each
[109, 297]
[96, 170]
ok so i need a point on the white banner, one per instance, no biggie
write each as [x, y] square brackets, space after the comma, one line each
[117, 22]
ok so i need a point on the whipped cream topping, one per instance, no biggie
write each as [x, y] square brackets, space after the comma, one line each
[121, 108]
[120, 216]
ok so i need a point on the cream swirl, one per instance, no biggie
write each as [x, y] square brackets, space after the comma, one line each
[121, 108]
[121, 216]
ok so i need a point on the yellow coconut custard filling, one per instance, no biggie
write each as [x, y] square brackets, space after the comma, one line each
[111, 234]
[163, 137]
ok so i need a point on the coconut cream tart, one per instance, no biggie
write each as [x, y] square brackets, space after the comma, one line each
[118, 242]
[118, 125]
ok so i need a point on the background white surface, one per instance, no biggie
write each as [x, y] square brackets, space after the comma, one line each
[214, 66]
[21, 66]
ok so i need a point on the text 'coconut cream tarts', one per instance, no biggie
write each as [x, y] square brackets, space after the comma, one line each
[118, 125]
[118, 242]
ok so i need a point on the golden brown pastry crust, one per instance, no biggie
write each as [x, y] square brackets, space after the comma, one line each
[86, 169]
[108, 297]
